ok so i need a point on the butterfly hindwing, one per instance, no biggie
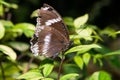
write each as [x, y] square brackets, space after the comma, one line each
[51, 42]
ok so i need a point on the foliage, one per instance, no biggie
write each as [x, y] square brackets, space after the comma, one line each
[101, 75]
[9, 45]
[16, 59]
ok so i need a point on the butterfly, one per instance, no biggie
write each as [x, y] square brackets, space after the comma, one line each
[51, 34]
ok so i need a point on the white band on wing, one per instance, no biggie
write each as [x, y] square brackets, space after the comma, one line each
[52, 21]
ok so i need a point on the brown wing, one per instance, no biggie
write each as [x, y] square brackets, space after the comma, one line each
[51, 42]
[48, 13]
[51, 34]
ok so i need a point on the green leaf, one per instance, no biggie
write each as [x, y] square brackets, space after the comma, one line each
[103, 49]
[109, 31]
[2, 31]
[68, 21]
[47, 69]
[118, 32]
[20, 46]
[98, 57]
[85, 33]
[7, 24]
[80, 21]
[77, 41]
[47, 79]
[1, 10]
[70, 68]
[86, 58]
[31, 75]
[100, 62]
[27, 28]
[71, 76]
[82, 48]
[78, 60]
[10, 70]
[8, 51]
[34, 14]
[100, 75]
[117, 52]
[14, 6]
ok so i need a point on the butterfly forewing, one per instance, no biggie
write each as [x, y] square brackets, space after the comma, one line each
[49, 16]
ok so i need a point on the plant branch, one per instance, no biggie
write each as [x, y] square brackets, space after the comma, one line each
[2, 71]
[61, 63]
[28, 65]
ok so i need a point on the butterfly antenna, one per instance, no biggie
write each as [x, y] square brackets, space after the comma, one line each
[61, 63]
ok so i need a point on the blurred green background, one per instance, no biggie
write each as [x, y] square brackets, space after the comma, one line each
[94, 29]
[102, 12]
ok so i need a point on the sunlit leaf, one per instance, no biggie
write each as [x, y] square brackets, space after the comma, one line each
[86, 58]
[47, 69]
[100, 75]
[77, 41]
[14, 6]
[9, 5]
[31, 75]
[34, 14]
[7, 24]
[82, 48]
[27, 28]
[78, 60]
[80, 20]
[98, 57]
[71, 76]
[114, 34]
[10, 32]
[85, 33]
[117, 32]
[2, 31]
[20, 46]
[5, 3]
[117, 52]
[8, 51]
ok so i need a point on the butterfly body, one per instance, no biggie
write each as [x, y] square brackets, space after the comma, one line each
[51, 34]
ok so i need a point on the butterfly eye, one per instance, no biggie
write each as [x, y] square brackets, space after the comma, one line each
[50, 9]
